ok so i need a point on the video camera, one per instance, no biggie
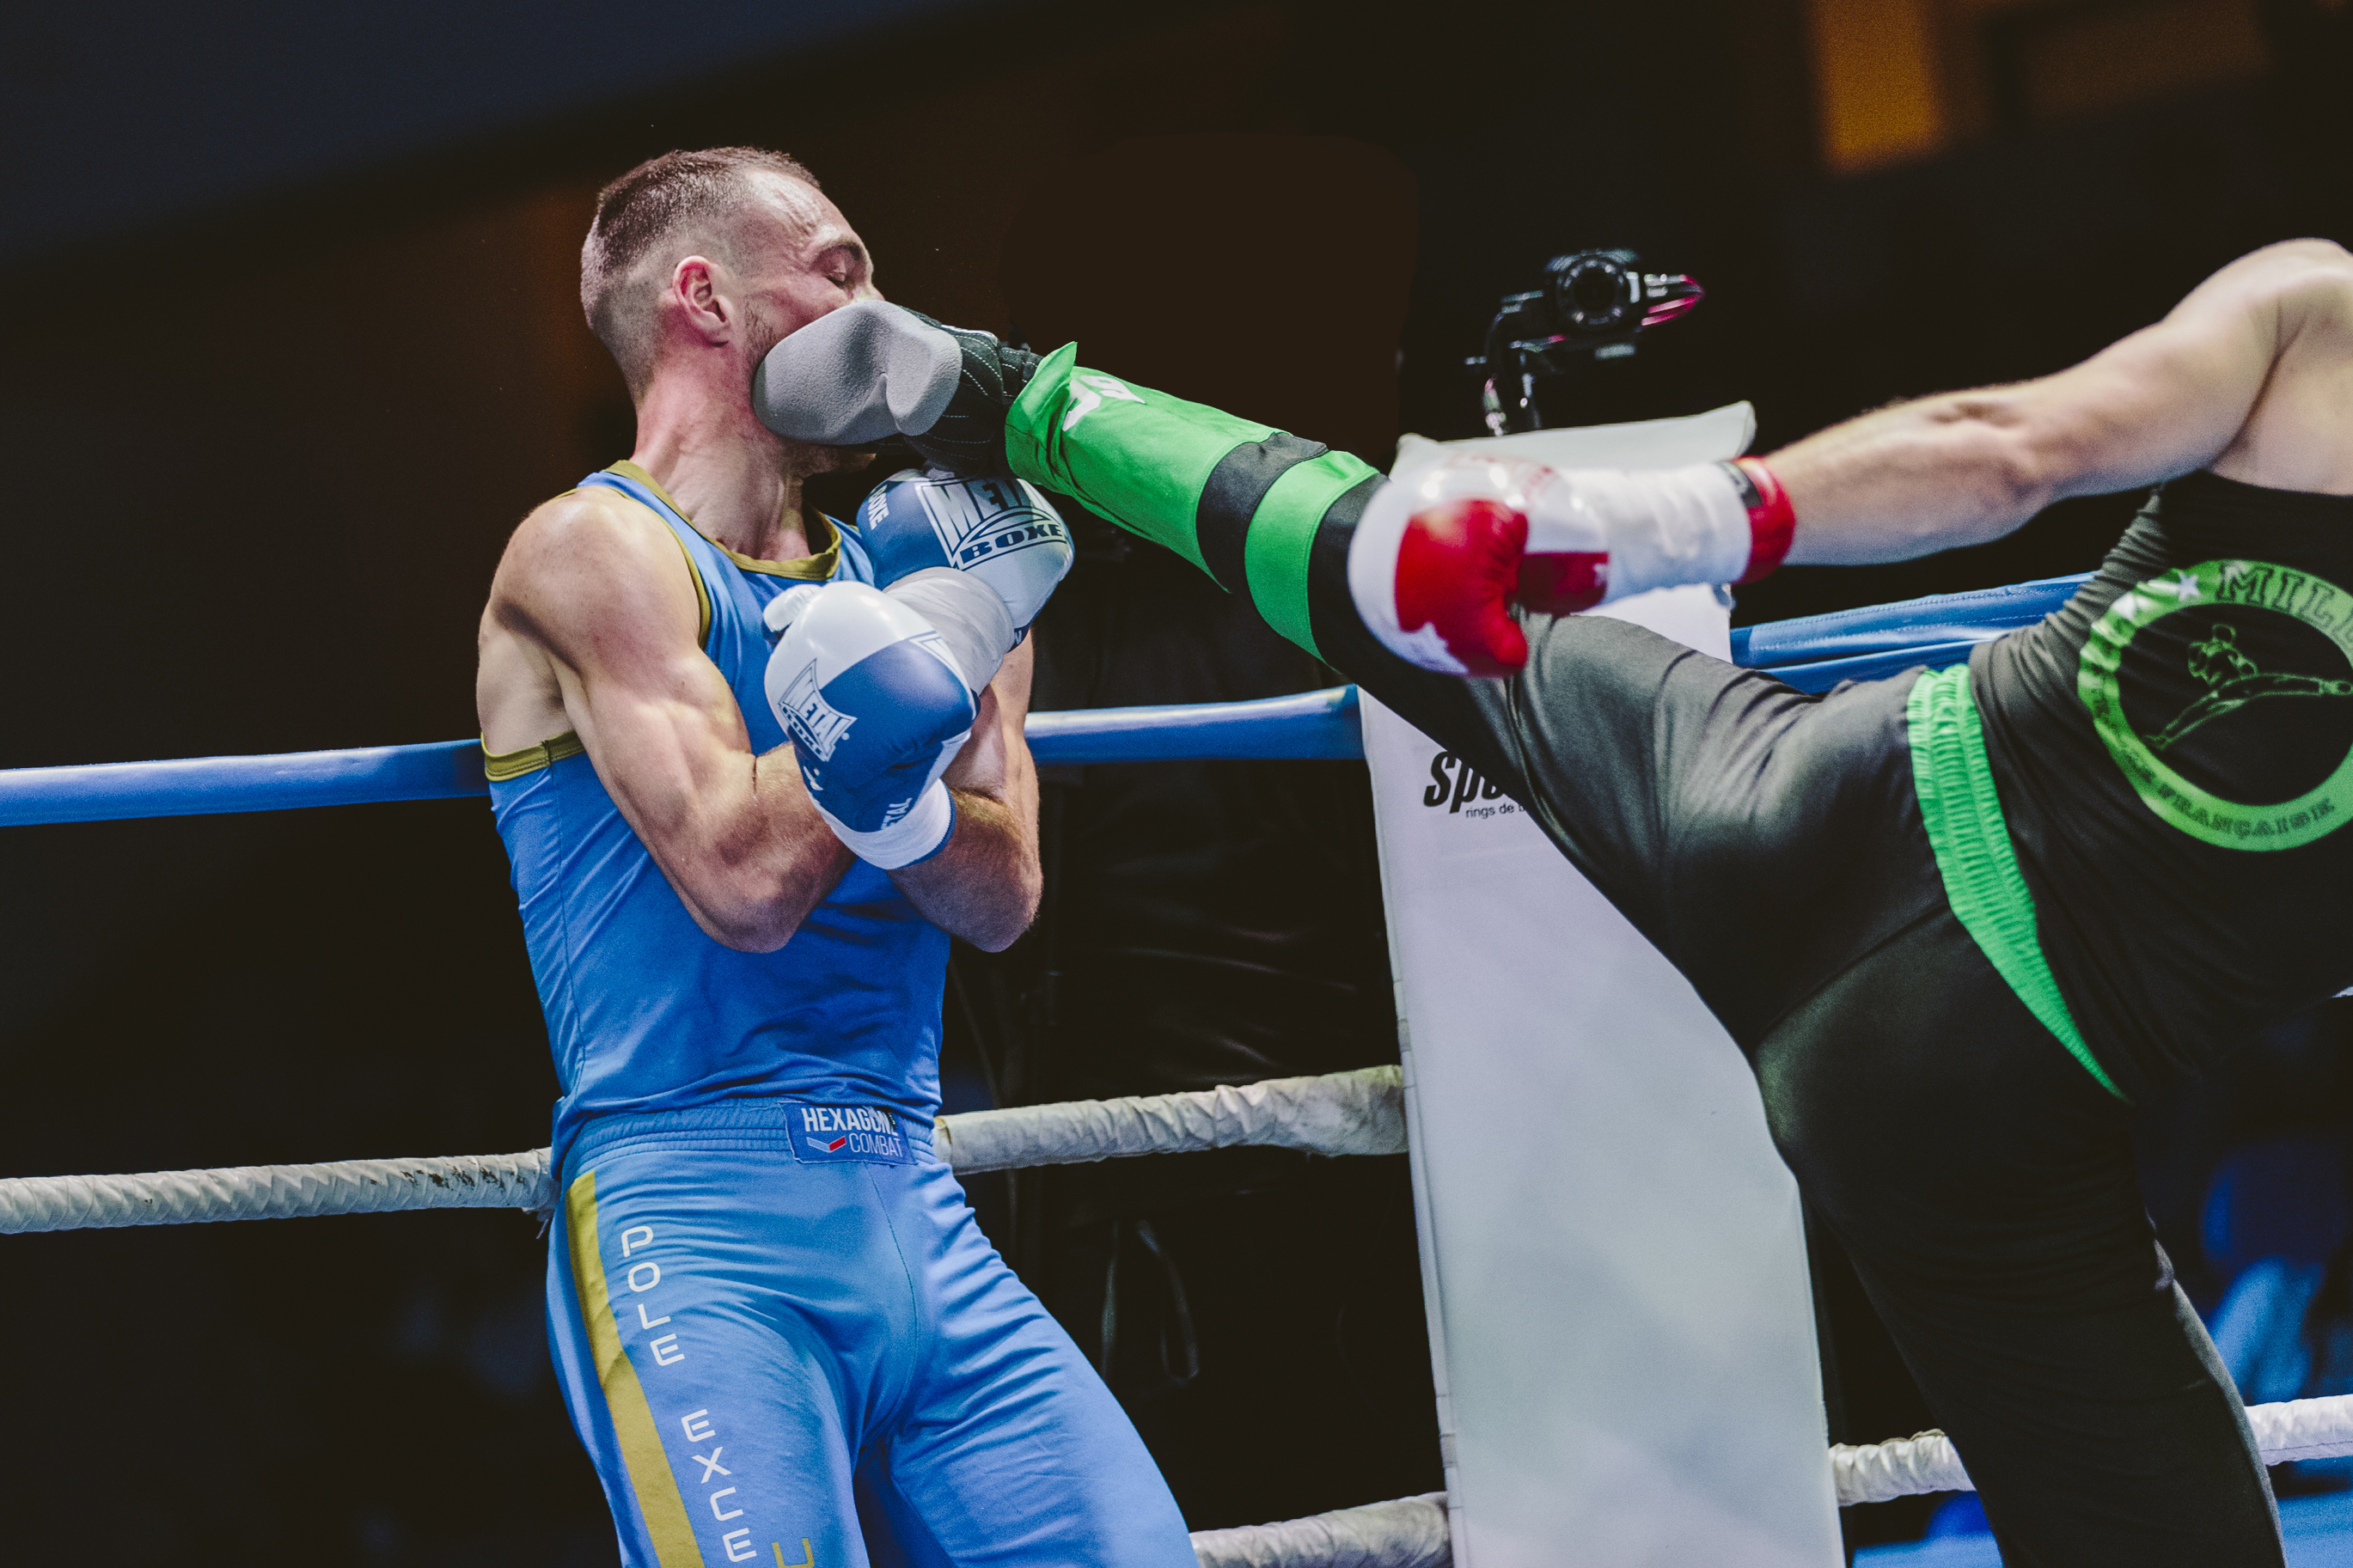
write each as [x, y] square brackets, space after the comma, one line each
[1593, 305]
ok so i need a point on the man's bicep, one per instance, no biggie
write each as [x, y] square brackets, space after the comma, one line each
[667, 739]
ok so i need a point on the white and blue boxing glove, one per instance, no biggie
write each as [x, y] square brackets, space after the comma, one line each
[977, 558]
[877, 709]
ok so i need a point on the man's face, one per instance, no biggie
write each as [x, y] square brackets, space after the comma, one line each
[805, 261]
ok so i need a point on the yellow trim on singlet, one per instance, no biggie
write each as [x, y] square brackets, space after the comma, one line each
[500, 766]
[651, 1479]
[702, 594]
[815, 567]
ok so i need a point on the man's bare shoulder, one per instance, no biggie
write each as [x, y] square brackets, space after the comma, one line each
[584, 582]
[591, 551]
[584, 530]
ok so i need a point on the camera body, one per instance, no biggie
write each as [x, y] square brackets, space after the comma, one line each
[1593, 305]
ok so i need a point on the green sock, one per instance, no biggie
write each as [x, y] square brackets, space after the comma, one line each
[1239, 499]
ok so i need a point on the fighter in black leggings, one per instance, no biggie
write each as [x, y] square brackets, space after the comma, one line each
[1958, 920]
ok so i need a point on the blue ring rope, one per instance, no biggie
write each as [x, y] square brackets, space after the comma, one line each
[1812, 654]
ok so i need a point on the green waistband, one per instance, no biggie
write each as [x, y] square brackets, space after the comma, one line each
[1963, 814]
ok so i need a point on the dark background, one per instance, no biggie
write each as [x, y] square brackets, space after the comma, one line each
[288, 322]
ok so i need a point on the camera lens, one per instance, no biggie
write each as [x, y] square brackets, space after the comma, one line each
[1591, 291]
[1593, 288]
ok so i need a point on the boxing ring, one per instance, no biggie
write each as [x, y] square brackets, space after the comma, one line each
[1351, 1113]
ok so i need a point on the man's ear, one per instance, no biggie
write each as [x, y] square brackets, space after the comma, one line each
[696, 286]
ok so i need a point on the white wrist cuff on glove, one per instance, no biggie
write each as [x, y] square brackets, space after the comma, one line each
[1660, 527]
[922, 832]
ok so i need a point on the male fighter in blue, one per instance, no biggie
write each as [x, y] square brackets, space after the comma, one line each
[739, 857]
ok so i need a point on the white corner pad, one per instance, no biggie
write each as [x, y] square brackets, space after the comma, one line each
[1717, 436]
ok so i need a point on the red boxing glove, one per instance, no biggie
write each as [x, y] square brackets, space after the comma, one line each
[1458, 565]
[1435, 564]
[1440, 557]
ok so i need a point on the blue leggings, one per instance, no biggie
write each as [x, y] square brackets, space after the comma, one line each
[800, 1351]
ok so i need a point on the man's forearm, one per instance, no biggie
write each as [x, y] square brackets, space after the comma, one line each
[748, 863]
[984, 885]
[1968, 467]
[1938, 474]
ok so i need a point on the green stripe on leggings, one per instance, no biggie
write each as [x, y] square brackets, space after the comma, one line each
[1137, 456]
[1143, 458]
[1962, 813]
[1283, 539]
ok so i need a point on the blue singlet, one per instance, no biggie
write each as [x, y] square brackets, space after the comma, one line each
[780, 1333]
[646, 1013]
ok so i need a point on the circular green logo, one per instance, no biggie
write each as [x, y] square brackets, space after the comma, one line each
[2224, 678]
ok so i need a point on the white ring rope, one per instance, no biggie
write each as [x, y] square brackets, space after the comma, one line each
[2290, 1430]
[274, 1192]
[1874, 1472]
[1409, 1533]
[1358, 1112]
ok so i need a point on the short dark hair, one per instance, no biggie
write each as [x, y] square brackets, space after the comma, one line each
[636, 213]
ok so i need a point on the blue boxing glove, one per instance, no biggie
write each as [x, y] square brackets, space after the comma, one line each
[977, 558]
[877, 709]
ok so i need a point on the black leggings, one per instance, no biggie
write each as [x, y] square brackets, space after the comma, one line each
[1770, 843]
